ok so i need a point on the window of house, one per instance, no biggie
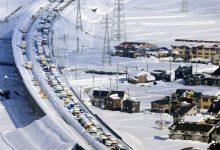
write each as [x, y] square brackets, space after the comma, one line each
[205, 99]
[206, 107]
[206, 53]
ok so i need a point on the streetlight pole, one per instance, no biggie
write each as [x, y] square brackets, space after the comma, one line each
[5, 77]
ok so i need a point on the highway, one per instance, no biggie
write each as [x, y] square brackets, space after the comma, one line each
[33, 57]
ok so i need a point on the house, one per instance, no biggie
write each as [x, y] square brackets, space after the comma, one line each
[215, 108]
[163, 75]
[191, 131]
[216, 134]
[131, 105]
[186, 95]
[198, 79]
[216, 59]
[206, 101]
[136, 77]
[98, 96]
[112, 102]
[132, 49]
[183, 93]
[216, 77]
[183, 71]
[163, 105]
[182, 51]
[119, 53]
[214, 146]
[199, 51]
[185, 109]
[135, 54]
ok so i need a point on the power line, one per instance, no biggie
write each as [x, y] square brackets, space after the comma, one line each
[118, 27]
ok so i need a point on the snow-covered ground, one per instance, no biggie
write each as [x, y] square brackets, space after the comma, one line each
[159, 22]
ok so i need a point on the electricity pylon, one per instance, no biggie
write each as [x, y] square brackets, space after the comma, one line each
[118, 25]
[106, 53]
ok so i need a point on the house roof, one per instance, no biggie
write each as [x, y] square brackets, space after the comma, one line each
[215, 107]
[136, 73]
[162, 102]
[103, 94]
[180, 92]
[184, 109]
[183, 68]
[114, 96]
[216, 72]
[132, 99]
[192, 127]
[217, 130]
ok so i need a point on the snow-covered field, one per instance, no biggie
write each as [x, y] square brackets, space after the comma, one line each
[159, 22]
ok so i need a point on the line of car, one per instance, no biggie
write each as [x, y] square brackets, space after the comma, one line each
[57, 82]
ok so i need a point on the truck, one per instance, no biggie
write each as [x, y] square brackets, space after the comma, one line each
[23, 44]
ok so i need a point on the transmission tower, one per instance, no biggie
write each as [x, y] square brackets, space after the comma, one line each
[184, 6]
[118, 25]
[78, 17]
[106, 54]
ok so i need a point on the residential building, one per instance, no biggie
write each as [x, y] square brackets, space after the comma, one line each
[183, 71]
[198, 79]
[98, 96]
[163, 75]
[200, 51]
[206, 101]
[216, 134]
[131, 105]
[161, 106]
[191, 131]
[112, 102]
[136, 77]
[216, 77]
[216, 59]
[182, 51]
[185, 109]
[215, 108]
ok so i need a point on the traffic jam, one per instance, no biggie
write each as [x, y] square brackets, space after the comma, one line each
[57, 81]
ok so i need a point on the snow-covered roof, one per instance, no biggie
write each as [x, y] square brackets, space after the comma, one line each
[136, 73]
[114, 96]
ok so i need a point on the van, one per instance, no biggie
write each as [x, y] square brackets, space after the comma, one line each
[63, 95]
[93, 130]
[76, 110]
[58, 89]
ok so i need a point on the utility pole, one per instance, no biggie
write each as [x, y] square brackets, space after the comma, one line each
[118, 27]
[106, 53]
[184, 6]
[77, 44]
[79, 17]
